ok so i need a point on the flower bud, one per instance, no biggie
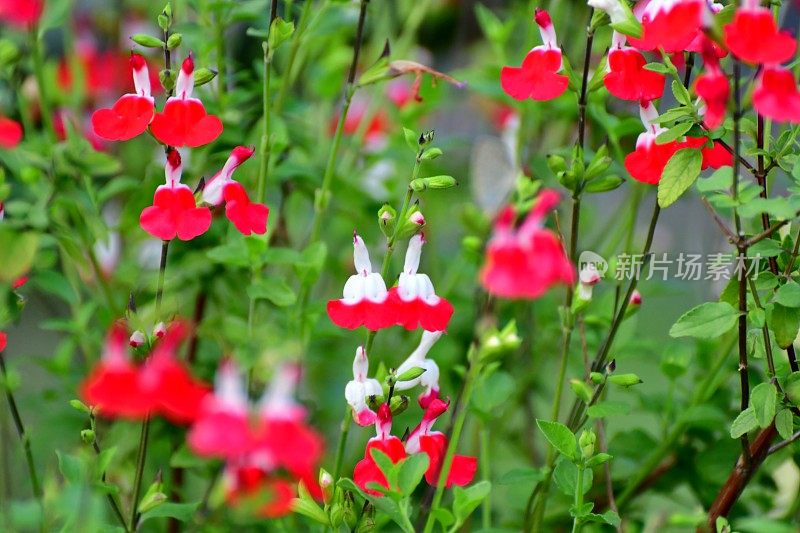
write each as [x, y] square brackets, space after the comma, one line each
[625, 380]
[398, 404]
[434, 182]
[349, 513]
[87, 436]
[417, 218]
[556, 163]
[326, 484]
[587, 279]
[203, 75]
[137, 338]
[586, 442]
[148, 41]
[160, 330]
[174, 41]
[634, 304]
[167, 79]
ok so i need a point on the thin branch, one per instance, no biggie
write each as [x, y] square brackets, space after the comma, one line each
[784, 443]
[732, 237]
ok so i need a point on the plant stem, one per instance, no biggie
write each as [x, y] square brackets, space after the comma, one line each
[286, 80]
[347, 421]
[46, 109]
[222, 75]
[112, 500]
[23, 434]
[576, 523]
[137, 480]
[461, 416]
[162, 270]
[486, 474]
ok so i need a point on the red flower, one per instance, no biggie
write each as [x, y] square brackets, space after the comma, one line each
[366, 471]
[434, 444]
[364, 301]
[754, 37]
[19, 282]
[537, 77]
[3, 341]
[174, 212]
[184, 121]
[716, 156]
[647, 162]
[414, 299]
[376, 132]
[776, 96]
[113, 384]
[627, 79]
[253, 485]
[212, 191]
[713, 88]
[132, 113]
[525, 262]
[22, 13]
[10, 133]
[669, 24]
[248, 217]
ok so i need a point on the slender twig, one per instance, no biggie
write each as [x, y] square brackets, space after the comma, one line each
[783, 444]
[744, 379]
[23, 434]
[41, 85]
[792, 258]
[603, 447]
[162, 269]
[112, 499]
[732, 237]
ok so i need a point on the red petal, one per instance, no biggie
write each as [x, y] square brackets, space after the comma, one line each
[173, 214]
[128, 118]
[462, 469]
[716, 157]
[753, 36]
[248, 217]
[672, 30]
[776, 95]
[3, 341]
[221, 434]
[293, 445]
[117, 392]
[185, 123]
[537, 78]
[10, 133]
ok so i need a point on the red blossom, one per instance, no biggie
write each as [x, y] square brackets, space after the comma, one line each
[3, 341]
[754, 37]
[537, 77]
[21, 13]
[248, 217]
[627, 79]
[525, 262]
[713, 88]
[366, 471]
[132, 113]
[776, 96]
[272, 495]
[671, 25]
[10, 133]
[184, 121]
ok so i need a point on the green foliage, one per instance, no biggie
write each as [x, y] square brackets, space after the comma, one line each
[706, 321]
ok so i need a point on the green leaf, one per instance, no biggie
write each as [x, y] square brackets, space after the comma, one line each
[279, 32]
[598, 459]
[310, 509]
[784, 423]
[179, 511]
[657, 67]
[764, 400]
[382, 503]
[411, 471]
[17, 251]
[565, 475]
[275, 290]
[467, 500]
[559, 436]
[411, 138]
[679, 174]
[521, 475]
[788, 295]
[720, 180]
[706, 321]
[674, 133]
[784, 323]
[744, 423]
[71, 468]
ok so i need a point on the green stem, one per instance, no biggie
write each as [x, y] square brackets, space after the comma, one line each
[286, 80]
[112, 499]
[44, 96]
[576, 523]
[222, 77]
[340, 447]
[137, 480]
[461, 416]
[23, 434]
[162, 271]
[486, 474]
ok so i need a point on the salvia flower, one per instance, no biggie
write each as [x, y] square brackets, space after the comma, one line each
[10, 133]
[434, 444]
[3, 341]
[670, 25]
[367, 471]
[538, 77]
[776, 96]
[132, 113]
[414, 299]
[21, 13]
[525, 262]
[250, 484]
[429, 379]
[754, 37]
[587, 279]
[184, 121]
[647, 162]
[626, 77]
[174, 212]
[360, 388]
[712, 87]
[364, 300]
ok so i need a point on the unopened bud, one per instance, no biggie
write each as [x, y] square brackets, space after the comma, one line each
[137, 338]
[203, 75]
[434, 182]
[174, 41]
[625, 380]
[326, 484]
[426, 138]
[87, 436]
[636, 298]
[398, 404]
[160, 330]
[386, 219]
[167, 79]
[586, 442]
[148, 41]
[417, 218]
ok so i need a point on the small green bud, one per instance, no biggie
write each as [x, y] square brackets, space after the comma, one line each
[87, 436]
[153, 497]
[434, 182]
[148, 41]
[174, 41]
[430, 153]
[410, 374]
[203, 75]
[556, 163]
[167, 11]
[586, 442]
[581, 390]
[386, 219]
[163, 22]
[625, 380]
[349, 513]
[425, 138]
[167, 79]
[375, 401]
[336, 515]
[597, 378]
[80, 406]
[326, 484]
[398, 404]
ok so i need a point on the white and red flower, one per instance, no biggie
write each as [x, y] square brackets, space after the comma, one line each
[712, 87]
[367, 473]
[184, 121]
[526, 262]
[360, 388]
[671, 25]
[434, 444]
[364, 299]
[414, 300]
[429, 379]
[626, 77]
[174, 212]
[132, 113]
[538, 77]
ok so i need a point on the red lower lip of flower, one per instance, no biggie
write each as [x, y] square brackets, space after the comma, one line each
[629, 80]
[367, 472]
[116, 390]
[776, 96]
[128, 117]
[10, 133]
[372, 315]
[175, 214]
[754, 37]
[247, 216]
[537, 78]
[672, 30]
[221, 435]
[462, 469]
[185, 123]
[416, 313]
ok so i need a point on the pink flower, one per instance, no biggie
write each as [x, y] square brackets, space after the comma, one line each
[132, 113]
[538, 76]
[366, 472]
[434, 444]
[627, 79]
[10, 133]
[414, 300]
[776, 96]
[174, 212]
[360, 388]
[525, 262]
[754, 37]
[21, 13]
[184, 121]
[364, 301]
[647, 162]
